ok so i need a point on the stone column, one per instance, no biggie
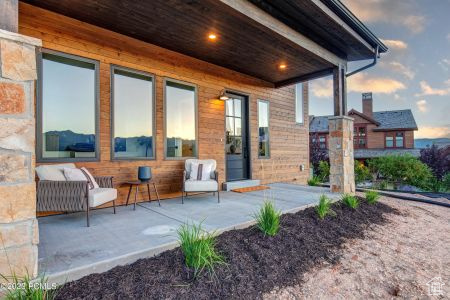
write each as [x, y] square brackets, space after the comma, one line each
[342, 177]
[19, 234]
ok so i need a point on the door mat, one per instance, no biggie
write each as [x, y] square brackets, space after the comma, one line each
[251, 189]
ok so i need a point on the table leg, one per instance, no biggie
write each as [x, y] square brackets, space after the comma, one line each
[157, 194]
[135, 196]
[129, 193]
[149, 195]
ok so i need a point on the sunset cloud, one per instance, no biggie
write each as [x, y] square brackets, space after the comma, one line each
[359, 83]
[395, 44]
[422, 105]
[401, 69]
[401, 13]
[362, 83]
[433, 132]
[427, 90]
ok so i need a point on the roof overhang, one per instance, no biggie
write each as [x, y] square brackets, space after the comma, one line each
[372, 120]
[251, 39]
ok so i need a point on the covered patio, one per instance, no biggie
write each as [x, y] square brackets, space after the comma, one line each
[69, 250]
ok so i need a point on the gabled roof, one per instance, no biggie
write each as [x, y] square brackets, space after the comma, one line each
[352, 111]
[395, 119]
[386, 120]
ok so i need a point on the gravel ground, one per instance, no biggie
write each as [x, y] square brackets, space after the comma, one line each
[395, 260]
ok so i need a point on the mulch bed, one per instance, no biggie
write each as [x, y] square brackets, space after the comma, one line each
[256, 264]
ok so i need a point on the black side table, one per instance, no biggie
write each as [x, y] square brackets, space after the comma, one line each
[136, 184]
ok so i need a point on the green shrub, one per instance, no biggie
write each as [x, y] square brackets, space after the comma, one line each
[24, 289]
[323, 171]
[199, 248]
[268, 219]
[372, 197]
[350, 200]
[361, 172]
[314, 181]
[401, 169]
[324, 207]
[446, 181]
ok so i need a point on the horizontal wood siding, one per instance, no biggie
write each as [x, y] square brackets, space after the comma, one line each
[289, 141]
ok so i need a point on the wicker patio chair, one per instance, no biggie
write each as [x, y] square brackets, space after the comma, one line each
[209, 185]
[74, 196]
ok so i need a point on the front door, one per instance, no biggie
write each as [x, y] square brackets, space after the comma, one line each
[236, 138]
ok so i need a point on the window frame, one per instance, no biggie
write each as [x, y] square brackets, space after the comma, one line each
[318, 135]
[165, 80]
[358, 126]
[394, 140]
[303, 103]
[268, 126]
[39, 107]
[138, 72]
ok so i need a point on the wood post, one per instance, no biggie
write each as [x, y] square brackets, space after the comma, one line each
[9, 15]
[340, 90]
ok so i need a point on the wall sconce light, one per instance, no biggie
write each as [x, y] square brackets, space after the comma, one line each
[223, 96]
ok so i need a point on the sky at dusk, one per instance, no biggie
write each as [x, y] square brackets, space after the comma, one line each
[414, 74]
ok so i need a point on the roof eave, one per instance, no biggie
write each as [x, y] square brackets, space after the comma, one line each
[345, 14]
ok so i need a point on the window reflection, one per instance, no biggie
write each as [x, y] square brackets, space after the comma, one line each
[133, 114]
[68, 104]
[263, 125]
[180, 119]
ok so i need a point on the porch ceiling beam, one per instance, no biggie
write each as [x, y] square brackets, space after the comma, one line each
[304, 78]
[258, 15]
[9, 15]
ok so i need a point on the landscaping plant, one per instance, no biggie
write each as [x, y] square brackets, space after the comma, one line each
[314, 181]
[350, 200]
[402, 169]
[324, 207]
[437, 160]
[323, 171]
[372, 197]
[362, 172]
[268, 219]
[199, 248]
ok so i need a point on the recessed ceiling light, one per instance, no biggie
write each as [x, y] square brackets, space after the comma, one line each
[212, 36]
[282, 66]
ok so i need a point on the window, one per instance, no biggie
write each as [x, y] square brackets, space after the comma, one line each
[299, 103]
[132, 104]
[233, 123]
[180, 119]
[319, 140]
[394, 139]
[67, 108]
[263, 128]
[360, 136]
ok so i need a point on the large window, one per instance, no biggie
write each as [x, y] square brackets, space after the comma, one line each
[180, 119]
[360, 136]
[394, 139]
[299, 103]
[67, 108]
[133, 114]
[263, 128]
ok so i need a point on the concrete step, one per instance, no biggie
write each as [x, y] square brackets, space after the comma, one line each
[231, 185]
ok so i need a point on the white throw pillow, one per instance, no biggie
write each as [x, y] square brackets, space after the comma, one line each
[78, 175]
[52, 172]
[204, 168]
[91, 178]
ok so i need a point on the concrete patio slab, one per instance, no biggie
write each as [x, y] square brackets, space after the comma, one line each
[69, 250]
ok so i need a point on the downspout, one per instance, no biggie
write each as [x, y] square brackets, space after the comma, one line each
[375, 57]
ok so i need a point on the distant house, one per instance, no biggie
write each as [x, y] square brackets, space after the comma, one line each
[375, 133]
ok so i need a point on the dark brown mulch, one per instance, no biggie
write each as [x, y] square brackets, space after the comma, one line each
[256, 264]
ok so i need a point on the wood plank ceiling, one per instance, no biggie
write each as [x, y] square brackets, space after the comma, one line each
[183, 26]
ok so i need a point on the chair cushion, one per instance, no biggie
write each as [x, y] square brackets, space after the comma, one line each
[200, 185]
[201, 171]
[188, 165]
[52, 172]
[101, 196]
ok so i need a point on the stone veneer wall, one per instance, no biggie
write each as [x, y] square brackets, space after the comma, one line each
[340, 142]
[18, 224]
